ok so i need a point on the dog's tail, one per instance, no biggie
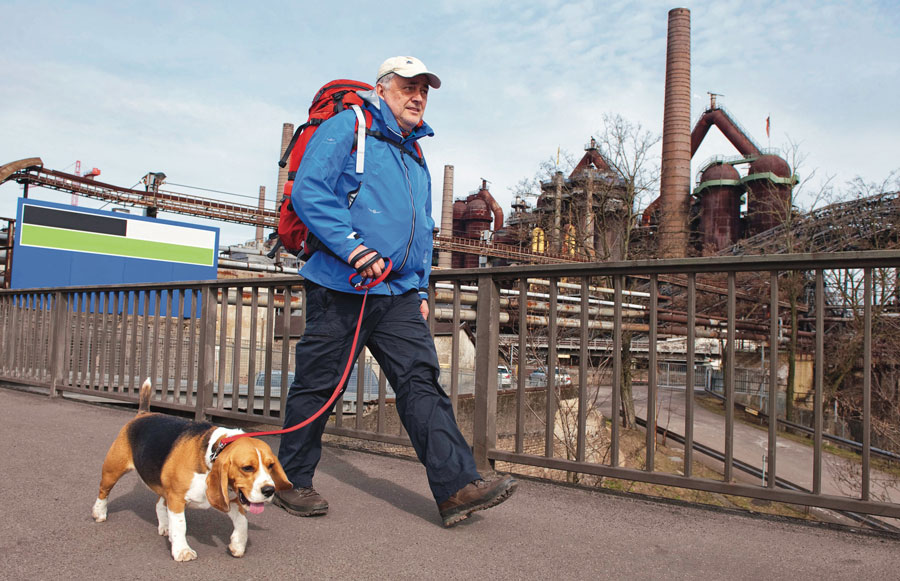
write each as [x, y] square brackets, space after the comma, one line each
[144, 401]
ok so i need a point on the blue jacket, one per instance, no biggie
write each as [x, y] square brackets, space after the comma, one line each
[387, 207]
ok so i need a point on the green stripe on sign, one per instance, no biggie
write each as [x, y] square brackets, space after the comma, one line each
[79, 241]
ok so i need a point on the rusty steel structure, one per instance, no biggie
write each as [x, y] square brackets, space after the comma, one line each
[733, 132]
[720, 187]
[581, 217]
[505, 251]
[471, 220]
[30, 172]
[862, 224]
[769, 183]
[719, 196]
[163, 200]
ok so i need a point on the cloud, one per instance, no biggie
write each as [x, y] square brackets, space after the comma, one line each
[200, 91]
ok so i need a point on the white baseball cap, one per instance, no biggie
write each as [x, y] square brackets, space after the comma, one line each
[408, 67]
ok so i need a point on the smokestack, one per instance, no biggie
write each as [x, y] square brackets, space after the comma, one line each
[675, 181]
[262, 206]
[444, 257]
[287, 132]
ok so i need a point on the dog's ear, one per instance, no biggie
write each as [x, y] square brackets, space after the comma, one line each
[217, 484]
[280, 478]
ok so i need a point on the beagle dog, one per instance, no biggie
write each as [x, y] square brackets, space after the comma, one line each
[176, 459]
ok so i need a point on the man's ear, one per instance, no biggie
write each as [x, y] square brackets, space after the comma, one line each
[379, 90]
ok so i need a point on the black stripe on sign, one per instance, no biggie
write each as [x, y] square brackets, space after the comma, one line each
[41, 216]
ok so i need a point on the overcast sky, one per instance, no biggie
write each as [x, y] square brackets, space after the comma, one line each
[200, 90]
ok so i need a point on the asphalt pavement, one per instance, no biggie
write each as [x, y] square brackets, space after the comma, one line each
[382, 524]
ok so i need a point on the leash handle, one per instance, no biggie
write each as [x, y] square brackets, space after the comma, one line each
[361, 285]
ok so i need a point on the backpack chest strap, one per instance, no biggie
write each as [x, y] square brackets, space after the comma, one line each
[417, 156]
[362, 129]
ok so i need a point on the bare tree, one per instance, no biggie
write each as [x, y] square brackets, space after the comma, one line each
[861, 216]
[593, 212]
[628, 150]
[626, 147]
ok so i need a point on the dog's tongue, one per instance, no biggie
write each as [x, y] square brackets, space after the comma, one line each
[256, 507]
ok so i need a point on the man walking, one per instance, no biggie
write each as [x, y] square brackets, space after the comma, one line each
[362, 220]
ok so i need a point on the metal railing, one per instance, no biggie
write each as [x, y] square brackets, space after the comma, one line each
[205, 345]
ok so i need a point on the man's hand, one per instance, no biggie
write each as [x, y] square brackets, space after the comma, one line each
[374, 270]
[423, 308]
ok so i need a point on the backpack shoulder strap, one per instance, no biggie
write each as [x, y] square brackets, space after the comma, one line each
[287, 152]
[360, 138]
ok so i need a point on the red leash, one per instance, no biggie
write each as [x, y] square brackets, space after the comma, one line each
[337, 389]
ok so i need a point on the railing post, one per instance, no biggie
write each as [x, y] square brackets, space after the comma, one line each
[617, 372]
[487, 321]
[206, 357]
[773, 377]
[58, 338]
[14, 337]
[6, 306]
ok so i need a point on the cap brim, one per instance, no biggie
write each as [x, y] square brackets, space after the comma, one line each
[433, 81]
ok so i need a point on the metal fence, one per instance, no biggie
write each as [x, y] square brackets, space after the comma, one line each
[675, 376]
[751, 386]
[219, 350]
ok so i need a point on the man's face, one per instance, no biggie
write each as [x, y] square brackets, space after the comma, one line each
[406, 99]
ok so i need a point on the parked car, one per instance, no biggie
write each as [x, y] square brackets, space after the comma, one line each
[504, 377]
[538, 377]
[260, 383]
[370, 390]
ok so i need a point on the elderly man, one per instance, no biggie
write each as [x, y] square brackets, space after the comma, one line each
[363, 219]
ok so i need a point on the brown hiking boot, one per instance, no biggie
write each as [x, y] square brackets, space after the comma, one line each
[477, 495]
[301, 501]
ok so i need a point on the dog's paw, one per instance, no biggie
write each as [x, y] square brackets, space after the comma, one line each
[162, 529]
[99, 511]
[237, 550]
[186, 554]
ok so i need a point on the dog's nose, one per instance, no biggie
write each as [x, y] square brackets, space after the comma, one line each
[268, 491]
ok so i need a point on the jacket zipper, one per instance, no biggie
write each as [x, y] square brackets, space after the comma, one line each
[412, 202]
[412, 205]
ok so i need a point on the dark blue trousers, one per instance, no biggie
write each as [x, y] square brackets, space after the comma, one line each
[398, 337]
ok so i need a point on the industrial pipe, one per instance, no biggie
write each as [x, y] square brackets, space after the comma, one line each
[496, 210]
[729, 129]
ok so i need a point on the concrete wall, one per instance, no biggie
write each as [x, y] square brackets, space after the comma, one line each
[444, 346]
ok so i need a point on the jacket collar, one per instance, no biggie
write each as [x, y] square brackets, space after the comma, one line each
[382, 113]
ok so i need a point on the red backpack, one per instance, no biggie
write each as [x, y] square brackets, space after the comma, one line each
[331, 99]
